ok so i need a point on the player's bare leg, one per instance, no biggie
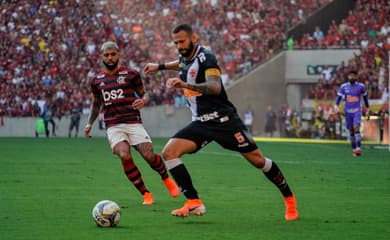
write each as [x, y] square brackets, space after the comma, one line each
[122, 149]
[157, 164]
[172, 152]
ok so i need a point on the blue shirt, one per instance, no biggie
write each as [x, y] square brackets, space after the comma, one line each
[352, 95]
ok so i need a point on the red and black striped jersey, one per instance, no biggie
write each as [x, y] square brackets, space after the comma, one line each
[117, 91]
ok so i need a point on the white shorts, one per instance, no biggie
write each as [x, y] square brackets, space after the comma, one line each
[134, 134]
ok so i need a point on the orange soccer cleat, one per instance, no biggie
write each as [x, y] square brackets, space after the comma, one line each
[291, 208]
[191, 207]
[148, 198]
[171, 186]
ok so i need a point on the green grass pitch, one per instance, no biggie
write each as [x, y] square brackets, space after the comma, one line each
[48, 188]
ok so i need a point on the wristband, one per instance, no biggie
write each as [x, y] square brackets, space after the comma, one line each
[161, 66]
[144, 101]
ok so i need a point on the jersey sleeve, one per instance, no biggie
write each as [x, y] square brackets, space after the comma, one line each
[340, 91]
[137, 83]
[208, 60]
[94, 89]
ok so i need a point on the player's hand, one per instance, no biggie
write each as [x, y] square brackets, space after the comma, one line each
[87, 130]
[175, 83]
[150, 67]
[336, 108]
[138, 103]
[368, 114]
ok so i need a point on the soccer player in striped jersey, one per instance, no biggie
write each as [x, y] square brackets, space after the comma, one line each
[214, 118]
[119, 93]
[352, 93]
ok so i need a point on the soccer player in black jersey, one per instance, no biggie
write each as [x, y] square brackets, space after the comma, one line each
[214, 118]
[119, 93]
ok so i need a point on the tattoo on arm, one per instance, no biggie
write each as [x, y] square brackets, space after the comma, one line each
[211, 86]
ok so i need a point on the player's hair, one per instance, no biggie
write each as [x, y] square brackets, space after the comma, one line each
[109, 44]
[353, 72]
[183, 27]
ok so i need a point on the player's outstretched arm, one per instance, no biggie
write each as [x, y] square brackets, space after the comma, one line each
[150, 67]
[93, 114]
[154, 67]
[211, 86]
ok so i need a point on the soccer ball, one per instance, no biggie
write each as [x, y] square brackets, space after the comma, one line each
[106, 213]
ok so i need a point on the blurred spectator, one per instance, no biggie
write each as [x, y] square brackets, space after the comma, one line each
[282, 115]
[48, 117]
[75, 116]
[270, 121]
[318, 34]
[248, 116]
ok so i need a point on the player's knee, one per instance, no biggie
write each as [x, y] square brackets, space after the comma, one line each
[123, 154]
[256, 158]
[149, 157]
[169, 153]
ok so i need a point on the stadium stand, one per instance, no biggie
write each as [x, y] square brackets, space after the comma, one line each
[367, 28]
[49, 49]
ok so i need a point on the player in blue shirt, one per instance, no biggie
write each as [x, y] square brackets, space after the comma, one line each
[352, 93]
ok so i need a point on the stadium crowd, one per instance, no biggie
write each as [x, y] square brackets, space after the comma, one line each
[366, 28]
[49, 49]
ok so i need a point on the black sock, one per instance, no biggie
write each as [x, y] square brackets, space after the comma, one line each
[184, 181]
[276, 176]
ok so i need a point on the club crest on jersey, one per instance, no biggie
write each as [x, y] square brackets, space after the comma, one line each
[192, 73]
[120, 80]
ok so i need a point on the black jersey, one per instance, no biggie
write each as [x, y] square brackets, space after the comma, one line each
[204, 107]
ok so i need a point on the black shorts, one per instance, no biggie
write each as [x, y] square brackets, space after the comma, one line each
[232, 134]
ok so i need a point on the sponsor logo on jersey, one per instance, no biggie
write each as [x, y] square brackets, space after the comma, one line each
[190, 93]
[243, 145]
[120, 80]
[123, 72]
[114, 94]
[208, 116]
[100, 76]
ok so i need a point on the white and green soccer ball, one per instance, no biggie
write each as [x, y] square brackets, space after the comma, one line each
[106, 213]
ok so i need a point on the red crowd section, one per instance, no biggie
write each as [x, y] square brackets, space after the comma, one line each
[50, 49]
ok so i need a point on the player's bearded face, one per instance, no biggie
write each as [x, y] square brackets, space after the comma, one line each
[352, 78]
[111, 64]
[186, 52]
[111, 59]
